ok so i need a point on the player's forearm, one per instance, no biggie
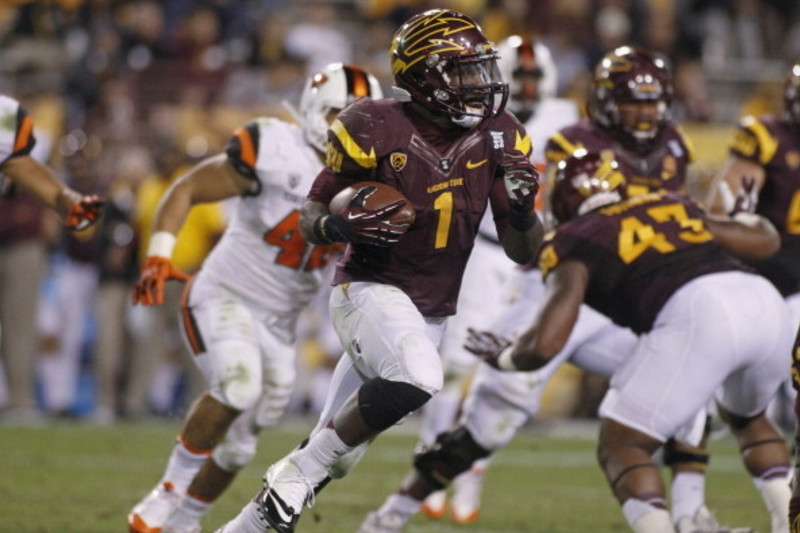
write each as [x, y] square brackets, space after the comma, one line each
[747, 236]
[39, 180]
[173, 209]
[522, 246]
[310, 213]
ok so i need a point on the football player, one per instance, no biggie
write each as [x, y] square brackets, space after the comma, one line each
[657, 263]
[448, 145]
[240, 312]
[529, 69]
[762, 175]
[18, 168]
[629, 120]
[640, 84]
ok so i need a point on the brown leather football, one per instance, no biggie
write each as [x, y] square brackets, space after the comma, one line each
[384, 195]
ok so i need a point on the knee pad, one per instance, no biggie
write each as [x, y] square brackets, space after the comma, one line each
[383, 403]
[673, 455]
[452, 453]
[277, 391]
[238, 394]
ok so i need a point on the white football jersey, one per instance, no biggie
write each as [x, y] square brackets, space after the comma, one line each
[16, 129]
[552, 114]
[262, 257]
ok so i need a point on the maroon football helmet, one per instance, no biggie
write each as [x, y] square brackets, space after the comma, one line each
[629, 75]
[442, 60]
[582, 182]
[791, 94]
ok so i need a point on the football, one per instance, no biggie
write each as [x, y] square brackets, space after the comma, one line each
[383, 195]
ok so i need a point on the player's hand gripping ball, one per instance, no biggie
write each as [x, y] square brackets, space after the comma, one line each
[369, 212]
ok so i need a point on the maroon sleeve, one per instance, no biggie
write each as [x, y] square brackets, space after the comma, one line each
[326, 185]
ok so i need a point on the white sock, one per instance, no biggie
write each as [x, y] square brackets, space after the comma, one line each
[322, 451]
[400, 505]
[182, 466]
[247, 521]
[688, 493]
[190, 511]
[776, 494]
[644, 517]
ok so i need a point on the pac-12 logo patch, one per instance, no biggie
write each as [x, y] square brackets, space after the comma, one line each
[398, 161]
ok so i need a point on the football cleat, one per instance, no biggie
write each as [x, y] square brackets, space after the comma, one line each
[286, 491]
[704, 522]
[435, 505]
[382, 523]
[465, 504]
[150, 514]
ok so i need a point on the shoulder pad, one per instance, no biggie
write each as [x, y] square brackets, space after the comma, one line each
[754, 141]
[242, 149]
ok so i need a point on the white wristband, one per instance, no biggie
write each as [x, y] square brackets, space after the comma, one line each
[504, 361]
[161, 244]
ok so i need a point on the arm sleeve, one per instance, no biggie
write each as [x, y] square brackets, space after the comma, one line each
[347, 161]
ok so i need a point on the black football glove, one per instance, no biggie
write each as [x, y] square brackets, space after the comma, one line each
[359, 224]
[486, 345]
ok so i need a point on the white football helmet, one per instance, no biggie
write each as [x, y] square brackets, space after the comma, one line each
[332, 89]
[520, 56]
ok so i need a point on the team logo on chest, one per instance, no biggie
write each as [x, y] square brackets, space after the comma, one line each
[445, 164]
[398, 161]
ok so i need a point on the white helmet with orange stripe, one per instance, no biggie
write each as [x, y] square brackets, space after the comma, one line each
[528, 68]
[329, 91]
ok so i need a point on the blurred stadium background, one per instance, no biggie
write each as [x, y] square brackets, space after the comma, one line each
[127, 94]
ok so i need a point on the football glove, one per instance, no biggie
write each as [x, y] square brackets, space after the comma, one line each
[743, 202]
[486, 345]
[84, 213]
[359, 224]
[521, 180]
[149, 290]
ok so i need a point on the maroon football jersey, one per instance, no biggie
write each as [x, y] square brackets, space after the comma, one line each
[774, 144]
[448, 176]
[663, 168]
[638, 253]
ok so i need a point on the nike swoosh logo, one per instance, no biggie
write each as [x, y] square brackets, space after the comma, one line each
[286, 515]
[471, 165]
[355, 216]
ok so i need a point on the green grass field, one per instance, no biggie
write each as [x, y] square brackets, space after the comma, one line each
[82, 479]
